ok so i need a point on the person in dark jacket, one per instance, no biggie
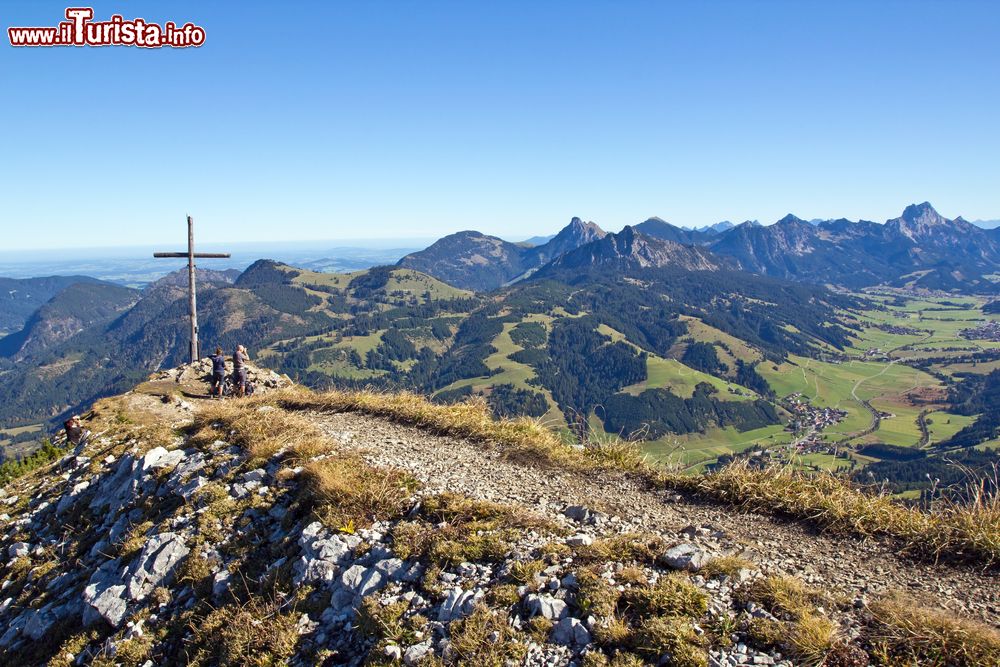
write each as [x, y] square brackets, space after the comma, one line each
[240, 360]
[218, 372]
[75, 433]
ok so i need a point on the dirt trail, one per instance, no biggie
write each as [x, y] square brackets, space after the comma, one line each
[855, 567]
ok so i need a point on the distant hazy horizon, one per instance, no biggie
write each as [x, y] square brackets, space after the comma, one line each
[319, 248]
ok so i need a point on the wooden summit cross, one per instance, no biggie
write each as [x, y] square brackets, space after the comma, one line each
[192, 299]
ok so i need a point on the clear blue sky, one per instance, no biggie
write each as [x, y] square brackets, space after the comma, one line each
[339, 120]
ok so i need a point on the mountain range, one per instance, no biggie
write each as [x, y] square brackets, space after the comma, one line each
[95, 338]
[629, 250]
[920, 248]
[431, 322]
[472, 260]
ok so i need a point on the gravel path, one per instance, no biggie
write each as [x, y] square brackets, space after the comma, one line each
[855, 567]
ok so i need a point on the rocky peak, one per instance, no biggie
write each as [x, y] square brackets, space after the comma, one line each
[791, 220]
[922, 215]
[570, 237]
[659, 228]
[264, 272]
[577, 228]
[922, 224]
[471, 260]
[630, 249]
[720, 227]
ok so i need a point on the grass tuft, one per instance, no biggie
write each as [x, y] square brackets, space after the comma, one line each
[260, 428]
[258, 634]
[349, 494]
[725, 566]
[672, 595]
[382, 621]
[595, 595]
[456, 508]
[968, 529]
[673, 636]
[903, 633]
[451, 528]
[484, 637]
[524, 572]
[625, 548]
[810, 639]
[783, 596]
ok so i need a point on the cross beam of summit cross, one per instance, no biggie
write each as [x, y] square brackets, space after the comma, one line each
[191, 255]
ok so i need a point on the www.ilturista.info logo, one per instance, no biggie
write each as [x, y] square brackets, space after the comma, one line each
[81, 30]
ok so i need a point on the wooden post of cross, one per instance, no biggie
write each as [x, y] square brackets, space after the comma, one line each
[191, 255]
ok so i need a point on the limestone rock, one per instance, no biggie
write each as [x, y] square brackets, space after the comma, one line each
[686, 556]
[155, 563]
[571, 632]
[546, 606]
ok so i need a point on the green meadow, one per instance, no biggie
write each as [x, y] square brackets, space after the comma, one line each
[694, 451]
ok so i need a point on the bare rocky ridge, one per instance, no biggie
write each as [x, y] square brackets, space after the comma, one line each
[629, 250]
[154, 543]
[857, 568]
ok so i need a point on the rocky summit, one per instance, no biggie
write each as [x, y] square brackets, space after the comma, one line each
[305, 529]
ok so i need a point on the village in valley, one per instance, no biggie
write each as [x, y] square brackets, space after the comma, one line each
[989, 330]
[808, 422]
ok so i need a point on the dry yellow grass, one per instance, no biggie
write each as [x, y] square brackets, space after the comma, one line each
[675, 635]
[904, 633]
[455, 508]
[349, 494]
[726, 566]
[784, 596]
[382, 621]
[806, 634]
[450, 528]
[485, 638]
[260, 428]
[959, 530]
[613, 632]
[810, 639]
[523, 439]
[258, 634]
[624, 548]
[672, 595]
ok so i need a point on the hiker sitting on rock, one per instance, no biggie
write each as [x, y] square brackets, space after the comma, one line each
[75, 433]
[240, 360]
[218, 372]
